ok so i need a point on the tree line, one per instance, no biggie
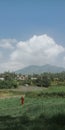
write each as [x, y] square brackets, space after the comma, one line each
[12, 80]
[45, 79]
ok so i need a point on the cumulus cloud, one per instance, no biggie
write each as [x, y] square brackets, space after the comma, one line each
[7, 43]
[38, 50]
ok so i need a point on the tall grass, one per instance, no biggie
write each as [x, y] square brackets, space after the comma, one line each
[39, 111]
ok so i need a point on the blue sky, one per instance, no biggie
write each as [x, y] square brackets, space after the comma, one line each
[20, 20]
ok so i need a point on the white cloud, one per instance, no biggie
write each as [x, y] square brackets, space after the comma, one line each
[7, 43]
[38, 50]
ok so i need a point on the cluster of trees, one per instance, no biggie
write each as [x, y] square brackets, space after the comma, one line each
[8, 84]
[10, 80]
[45, 79]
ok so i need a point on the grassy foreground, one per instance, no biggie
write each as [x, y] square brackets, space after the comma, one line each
[42, 110]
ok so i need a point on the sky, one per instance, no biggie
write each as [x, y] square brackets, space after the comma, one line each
[32, 32]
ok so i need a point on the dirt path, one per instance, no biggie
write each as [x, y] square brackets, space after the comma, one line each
[12, 93]
[4, 97]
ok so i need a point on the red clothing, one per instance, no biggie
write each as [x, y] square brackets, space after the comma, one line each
[22, 100]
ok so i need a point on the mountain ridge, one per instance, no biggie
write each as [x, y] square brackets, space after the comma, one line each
[40, 69]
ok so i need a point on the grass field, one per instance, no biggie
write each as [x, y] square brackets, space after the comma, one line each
[43, 109]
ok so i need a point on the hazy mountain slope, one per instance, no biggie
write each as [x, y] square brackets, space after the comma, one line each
[40, 69]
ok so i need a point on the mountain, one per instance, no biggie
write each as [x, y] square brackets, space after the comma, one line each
[40, 69]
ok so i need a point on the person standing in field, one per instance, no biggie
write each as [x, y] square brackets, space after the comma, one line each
[22, 100]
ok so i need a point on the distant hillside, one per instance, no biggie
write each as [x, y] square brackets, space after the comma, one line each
[40, 69]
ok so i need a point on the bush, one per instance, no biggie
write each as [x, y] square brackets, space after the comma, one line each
[7, 84]
[43, 81]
